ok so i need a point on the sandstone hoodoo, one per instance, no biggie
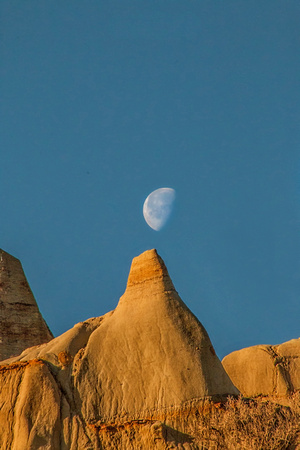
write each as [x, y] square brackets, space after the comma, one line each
[119, 380]
[154, 352]
[21, 323]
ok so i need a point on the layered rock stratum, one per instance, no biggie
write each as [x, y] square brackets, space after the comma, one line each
[21, 323]
[266, 370]
[135, 378]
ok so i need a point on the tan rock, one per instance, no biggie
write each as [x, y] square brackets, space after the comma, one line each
[21, 323]
[265, 370]
[151, 353]
[134, 378]
[30, 407]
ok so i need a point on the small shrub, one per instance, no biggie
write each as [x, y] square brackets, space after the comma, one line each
[250, 424]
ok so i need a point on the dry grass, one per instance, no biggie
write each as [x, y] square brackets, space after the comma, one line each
[250, 424]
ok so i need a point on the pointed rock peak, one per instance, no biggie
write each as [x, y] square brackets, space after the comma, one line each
[149, 267]
[155, 354]
[21, 323]
[13, 284]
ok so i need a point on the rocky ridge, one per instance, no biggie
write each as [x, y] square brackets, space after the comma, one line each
[136, 377]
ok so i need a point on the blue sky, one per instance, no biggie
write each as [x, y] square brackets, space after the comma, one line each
[105, 101]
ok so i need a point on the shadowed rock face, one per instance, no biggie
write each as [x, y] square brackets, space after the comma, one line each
[21, 323]
[266, 370]
[119, 380]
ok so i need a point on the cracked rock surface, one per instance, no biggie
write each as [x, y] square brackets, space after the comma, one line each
[134, 378]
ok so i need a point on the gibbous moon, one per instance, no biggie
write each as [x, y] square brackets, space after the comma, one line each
[158, 207]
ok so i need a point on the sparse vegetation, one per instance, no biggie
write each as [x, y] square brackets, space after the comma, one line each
[250, 424]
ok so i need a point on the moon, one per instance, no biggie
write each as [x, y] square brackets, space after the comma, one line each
[158, 207]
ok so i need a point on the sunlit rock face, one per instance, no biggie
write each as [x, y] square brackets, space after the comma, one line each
[266, 370]
[21, 323]
[152, 352]
[134, 378]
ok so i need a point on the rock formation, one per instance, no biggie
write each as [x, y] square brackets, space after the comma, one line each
[21, 323]
[266, 370]
[133, 378]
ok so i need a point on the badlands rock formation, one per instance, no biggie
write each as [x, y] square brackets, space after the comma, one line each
[21, 323]
[134, 378]
[266, 370]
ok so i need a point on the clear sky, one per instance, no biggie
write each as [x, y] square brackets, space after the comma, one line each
[105, 101]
